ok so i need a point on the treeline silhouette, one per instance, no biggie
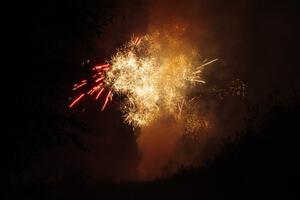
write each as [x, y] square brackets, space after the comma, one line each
[260, 163]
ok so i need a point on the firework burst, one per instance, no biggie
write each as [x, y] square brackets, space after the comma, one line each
[153, 73]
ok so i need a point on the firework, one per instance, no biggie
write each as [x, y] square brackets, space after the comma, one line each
[153, 73]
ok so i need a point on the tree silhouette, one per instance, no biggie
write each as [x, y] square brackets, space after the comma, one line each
[38, 95]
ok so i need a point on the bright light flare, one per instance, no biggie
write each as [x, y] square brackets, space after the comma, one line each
[154, 74]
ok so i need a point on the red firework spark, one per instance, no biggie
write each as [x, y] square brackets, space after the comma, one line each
[76, 100]
[97, 83]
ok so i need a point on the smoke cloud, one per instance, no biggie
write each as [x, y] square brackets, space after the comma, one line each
[252, 42]
[157, 145]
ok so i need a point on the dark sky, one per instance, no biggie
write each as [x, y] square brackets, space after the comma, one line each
[254, 40]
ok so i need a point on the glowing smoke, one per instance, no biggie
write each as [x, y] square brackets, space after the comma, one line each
[158, 143]
[156, 75]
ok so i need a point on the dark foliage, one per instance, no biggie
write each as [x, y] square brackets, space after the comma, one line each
[41, 36]
[260, 164]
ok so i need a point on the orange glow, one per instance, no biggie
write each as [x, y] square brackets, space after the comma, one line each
[154, 73]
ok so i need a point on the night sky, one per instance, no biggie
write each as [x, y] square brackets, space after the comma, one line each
[255, 42]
